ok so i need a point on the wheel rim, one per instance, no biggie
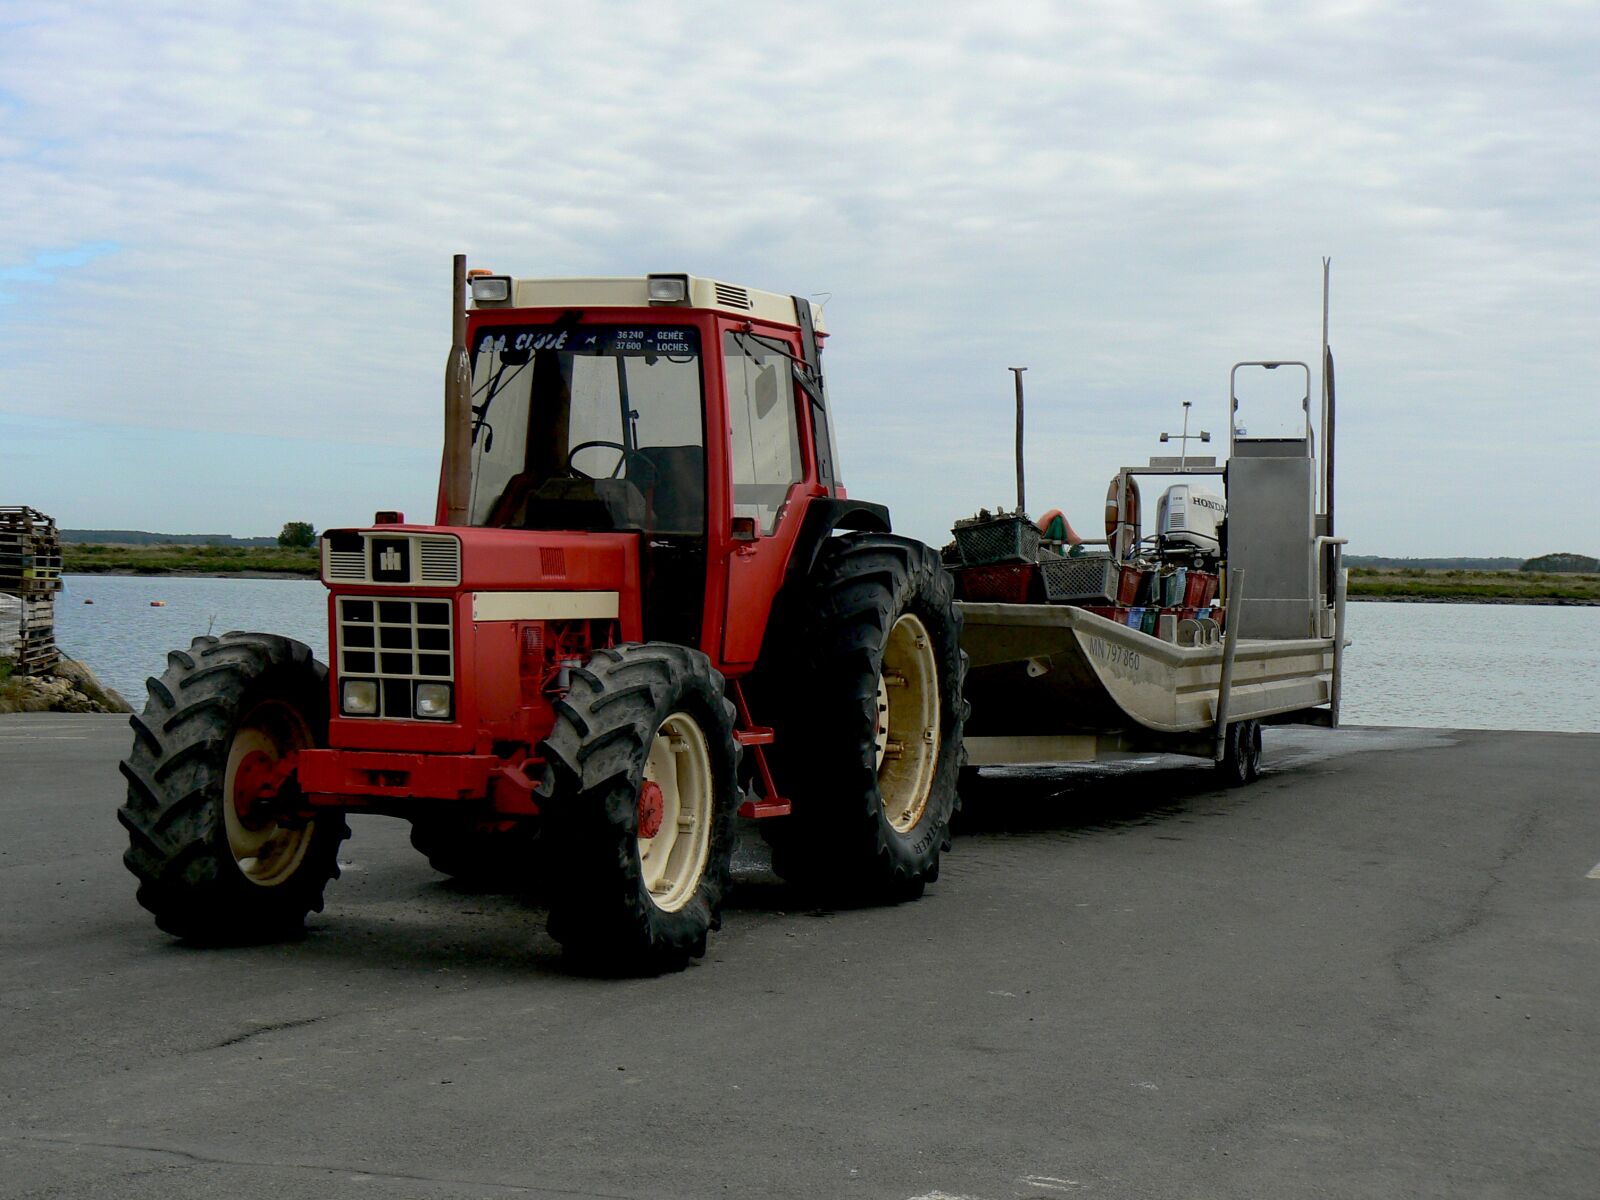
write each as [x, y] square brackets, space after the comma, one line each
[679, 768]
[266, 852]
[907, 734]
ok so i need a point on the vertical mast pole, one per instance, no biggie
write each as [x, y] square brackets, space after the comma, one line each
[1021, 497]
[1329, 403]
[1324, 431]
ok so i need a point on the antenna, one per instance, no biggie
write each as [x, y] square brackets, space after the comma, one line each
[1186, 437]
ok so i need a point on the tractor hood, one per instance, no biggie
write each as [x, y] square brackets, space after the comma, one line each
[441, 637]
[427, 557]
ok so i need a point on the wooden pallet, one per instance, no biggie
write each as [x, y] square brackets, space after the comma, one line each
[33, 660]
[30, 588]
[30, 569]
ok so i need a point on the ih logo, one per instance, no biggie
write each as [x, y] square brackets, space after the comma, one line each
[391, 560]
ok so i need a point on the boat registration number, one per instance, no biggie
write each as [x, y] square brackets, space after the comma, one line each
[1118, 658]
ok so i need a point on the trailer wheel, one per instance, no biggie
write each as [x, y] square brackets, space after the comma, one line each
[219, 851]
[639, 796]
[869, 743]
[485, 854]
[1241, 754]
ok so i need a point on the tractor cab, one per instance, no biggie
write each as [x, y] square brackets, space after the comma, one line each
[668, 407]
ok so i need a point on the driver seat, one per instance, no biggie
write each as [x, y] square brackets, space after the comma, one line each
[678, 490]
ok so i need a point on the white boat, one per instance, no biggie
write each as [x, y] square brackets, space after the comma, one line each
[1058, 682]
[1053, 683]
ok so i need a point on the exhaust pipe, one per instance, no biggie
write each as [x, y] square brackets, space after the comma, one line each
[458, 406]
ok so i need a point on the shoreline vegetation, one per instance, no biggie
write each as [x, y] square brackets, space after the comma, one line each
[1457, 586]
[1414, 584]
[247, 562]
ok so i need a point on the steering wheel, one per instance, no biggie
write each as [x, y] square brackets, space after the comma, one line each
[624, 456]
[598, 443]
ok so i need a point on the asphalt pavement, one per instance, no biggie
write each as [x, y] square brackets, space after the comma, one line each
[1374, 973]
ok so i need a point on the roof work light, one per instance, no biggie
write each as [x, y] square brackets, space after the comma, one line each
[668, 289]
[491, 289]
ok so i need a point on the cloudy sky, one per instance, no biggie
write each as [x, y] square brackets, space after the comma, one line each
[225, 233]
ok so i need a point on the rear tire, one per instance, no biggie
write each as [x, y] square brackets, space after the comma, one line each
[481, 854]
[1241, 754]
[869, 745]
[211, 866]
[639, 796]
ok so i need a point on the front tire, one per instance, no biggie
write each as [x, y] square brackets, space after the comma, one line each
[869, 746]
[215, 863]
[640, 795]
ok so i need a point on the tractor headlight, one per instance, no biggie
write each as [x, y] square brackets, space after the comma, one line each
[359, 697]
[433, 701]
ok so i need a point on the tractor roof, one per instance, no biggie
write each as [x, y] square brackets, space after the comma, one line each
[633, 292]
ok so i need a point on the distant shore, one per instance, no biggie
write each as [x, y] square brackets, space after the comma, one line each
[166, 573]
[1545, 602]
[224, 562]
[1405, 585]
[1418, 585]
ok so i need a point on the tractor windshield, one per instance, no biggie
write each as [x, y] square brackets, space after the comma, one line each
[588, 428]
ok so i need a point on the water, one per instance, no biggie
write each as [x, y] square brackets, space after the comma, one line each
[1450, 666]
[1473, 666]
[123, 638]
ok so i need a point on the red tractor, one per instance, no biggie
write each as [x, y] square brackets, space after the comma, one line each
[646, 607]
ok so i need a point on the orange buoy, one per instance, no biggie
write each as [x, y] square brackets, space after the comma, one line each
[158, 604]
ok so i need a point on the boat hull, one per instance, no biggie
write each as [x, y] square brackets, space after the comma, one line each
[1055, 682]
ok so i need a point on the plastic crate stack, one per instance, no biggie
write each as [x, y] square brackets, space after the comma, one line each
[30, 569]
[998, 559]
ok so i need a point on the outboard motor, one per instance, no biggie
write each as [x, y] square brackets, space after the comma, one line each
[1187, 519]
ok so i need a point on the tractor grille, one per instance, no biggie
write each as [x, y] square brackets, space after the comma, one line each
[428, 561]
[347, 565]
[440, 560]
[399, 644]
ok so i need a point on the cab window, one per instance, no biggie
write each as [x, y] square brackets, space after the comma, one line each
[766, 434]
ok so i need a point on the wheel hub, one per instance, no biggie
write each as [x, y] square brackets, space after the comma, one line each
[652, 809]
[255, 785]
[906, 733]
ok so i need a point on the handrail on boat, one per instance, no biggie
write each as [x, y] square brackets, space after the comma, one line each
[1317, 544]
[1230, 647]
[1336, 564]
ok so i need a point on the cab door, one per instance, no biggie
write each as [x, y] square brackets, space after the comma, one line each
[770, 472]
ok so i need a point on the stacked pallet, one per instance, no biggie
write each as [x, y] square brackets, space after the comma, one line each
[30, 570]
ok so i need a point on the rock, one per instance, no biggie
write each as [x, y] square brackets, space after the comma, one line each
[82, 678]
[70, 687]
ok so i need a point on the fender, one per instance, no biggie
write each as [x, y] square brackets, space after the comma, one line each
[824, 515]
